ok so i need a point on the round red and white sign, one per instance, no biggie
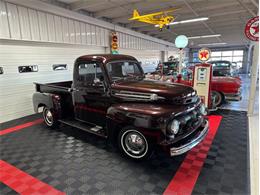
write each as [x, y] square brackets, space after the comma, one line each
[204, 54]
[252, 29]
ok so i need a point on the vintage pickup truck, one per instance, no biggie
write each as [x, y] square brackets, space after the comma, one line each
[110, 98]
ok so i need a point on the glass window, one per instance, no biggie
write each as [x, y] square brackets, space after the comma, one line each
[88, 72]
[56, 67]
[238, 53]
[227, 58]
[124, 69]
[215, 53]
[31, 68]
[238, 59]
[215, 58]
[226, 53]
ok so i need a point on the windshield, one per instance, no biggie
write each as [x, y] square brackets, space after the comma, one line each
[124, 69]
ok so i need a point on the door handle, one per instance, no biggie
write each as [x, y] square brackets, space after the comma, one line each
[72, 89]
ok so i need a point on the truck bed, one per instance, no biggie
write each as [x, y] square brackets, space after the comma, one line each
[56, 88]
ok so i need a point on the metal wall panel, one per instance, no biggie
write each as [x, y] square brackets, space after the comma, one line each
[98, 36]
[13, 19]
[51, 28]
[4, 28]
[43, 26]
[34, 25]
[24, 22]
[106, 38]
[83, 33]
[72, 31]
[88, 34]
[65, 30]
[77, 30]
[58, 29]
[93, 34]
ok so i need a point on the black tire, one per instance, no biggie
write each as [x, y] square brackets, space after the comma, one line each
[49, 118]
[140, 150]
[219, 98]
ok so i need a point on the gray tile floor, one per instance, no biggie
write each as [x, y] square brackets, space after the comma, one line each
[243, 104]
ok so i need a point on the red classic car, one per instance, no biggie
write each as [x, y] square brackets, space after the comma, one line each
[222, 87]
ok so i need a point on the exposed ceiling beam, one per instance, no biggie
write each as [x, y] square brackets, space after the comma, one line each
[110, 10]
[255, 3]
[246, 8]
[86, 4]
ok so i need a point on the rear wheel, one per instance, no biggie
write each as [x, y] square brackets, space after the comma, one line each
[134, 144]
[49, 118]
[218, 97]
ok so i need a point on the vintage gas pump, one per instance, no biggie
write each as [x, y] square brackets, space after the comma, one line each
[202, 77]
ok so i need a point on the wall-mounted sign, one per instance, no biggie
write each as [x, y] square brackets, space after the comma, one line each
[204, 54]
[114, 43]
[30, 68]
[252, 29]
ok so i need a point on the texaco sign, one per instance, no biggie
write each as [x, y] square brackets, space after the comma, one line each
[252, 29]
[204, 54]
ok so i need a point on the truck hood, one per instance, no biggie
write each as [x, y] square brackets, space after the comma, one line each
[153, 90]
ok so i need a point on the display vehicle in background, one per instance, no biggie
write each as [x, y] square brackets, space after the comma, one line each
[224, 68]
[222, 87]
[109, 97]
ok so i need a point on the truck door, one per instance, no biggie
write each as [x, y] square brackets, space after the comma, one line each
[89, 96]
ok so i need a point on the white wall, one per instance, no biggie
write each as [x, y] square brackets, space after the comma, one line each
[16, 88]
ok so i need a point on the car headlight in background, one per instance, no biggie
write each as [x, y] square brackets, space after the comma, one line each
[175, 126]
[203, 110]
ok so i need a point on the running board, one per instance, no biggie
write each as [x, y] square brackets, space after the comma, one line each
[97, 130]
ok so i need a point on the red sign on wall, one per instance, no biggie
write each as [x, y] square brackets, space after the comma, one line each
[252, 29]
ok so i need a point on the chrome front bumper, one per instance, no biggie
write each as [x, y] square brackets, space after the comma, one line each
[233, 97]
[174, 151]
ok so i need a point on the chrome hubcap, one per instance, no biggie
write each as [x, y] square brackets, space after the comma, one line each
[48, 117]
[134, 144]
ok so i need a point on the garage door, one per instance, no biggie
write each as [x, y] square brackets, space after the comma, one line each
[16, 88]
[149, 58]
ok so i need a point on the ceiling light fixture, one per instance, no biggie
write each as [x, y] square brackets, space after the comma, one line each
[187, 21]
[204, 36]
[208, 44]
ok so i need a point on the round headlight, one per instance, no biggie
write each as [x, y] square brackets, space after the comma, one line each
[175, 126]
[203, 110]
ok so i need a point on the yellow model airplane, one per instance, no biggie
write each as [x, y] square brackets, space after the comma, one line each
[160, 19]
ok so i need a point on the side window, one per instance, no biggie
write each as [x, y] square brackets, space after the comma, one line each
[88, 72]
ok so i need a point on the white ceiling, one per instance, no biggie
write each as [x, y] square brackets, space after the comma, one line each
[226, 17]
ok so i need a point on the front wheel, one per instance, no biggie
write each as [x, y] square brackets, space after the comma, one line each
[49, 118]
[134, 144]
[218, 98]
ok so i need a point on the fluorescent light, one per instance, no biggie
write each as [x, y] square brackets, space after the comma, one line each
[204, 36]
[206, 44]
[187, 21]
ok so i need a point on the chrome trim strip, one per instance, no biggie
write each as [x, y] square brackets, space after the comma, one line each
[186, 147]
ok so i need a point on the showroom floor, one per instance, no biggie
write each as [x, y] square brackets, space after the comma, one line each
[38, 159]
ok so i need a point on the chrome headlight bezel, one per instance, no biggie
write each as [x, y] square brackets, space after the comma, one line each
[174, 127]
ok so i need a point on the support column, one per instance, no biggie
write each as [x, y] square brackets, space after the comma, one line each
[254, 71]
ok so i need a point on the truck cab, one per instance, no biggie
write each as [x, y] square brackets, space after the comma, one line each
[110, 97]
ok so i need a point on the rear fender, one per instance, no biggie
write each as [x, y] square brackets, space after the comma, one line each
[46, 100]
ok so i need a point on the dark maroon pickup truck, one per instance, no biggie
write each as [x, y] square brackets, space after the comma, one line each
[110, 97]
